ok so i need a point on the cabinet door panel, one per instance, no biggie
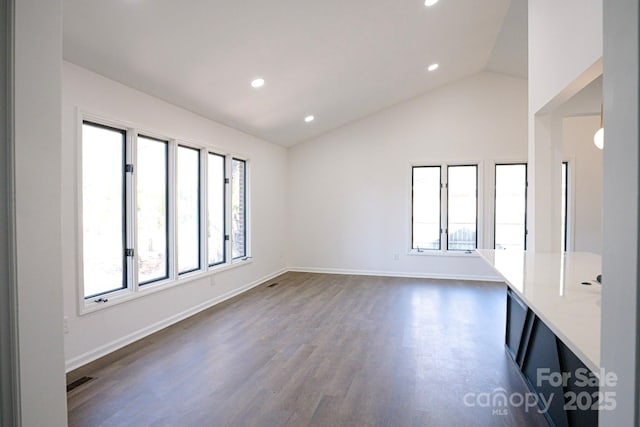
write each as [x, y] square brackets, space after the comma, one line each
[581, 390]
[542, 370]
[516, 315]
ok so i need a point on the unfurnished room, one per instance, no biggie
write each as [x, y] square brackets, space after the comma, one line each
[337, 213]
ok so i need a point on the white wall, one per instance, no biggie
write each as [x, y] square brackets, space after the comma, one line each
[621, 255]
[350, 190]
[565, 44]
[565, 51]
[38, 55]
[565, 38]
[585, 182]
[92, 335]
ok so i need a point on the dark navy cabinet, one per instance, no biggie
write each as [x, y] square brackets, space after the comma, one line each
[550, 368]
[516, 317]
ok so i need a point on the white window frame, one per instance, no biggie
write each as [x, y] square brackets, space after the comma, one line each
[133, 290]
[444, 197]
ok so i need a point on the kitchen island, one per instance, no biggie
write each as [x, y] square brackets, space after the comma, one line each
[553, 328]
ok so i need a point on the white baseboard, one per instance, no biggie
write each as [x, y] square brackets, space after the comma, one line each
[415, 275]
[101, 351]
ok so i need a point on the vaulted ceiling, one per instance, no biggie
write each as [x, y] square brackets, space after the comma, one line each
[339, 60]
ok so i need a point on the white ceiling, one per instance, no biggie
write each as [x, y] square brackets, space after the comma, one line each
[510, 53]
[339, 60]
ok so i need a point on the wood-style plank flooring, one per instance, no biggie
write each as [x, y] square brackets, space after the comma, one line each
[318, 350]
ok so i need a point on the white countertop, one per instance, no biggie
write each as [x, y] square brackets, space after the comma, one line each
[549, 283]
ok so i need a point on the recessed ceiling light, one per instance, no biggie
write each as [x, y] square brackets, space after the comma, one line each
[430, 2]
[432, 67]
[257, 83]
[309, 119]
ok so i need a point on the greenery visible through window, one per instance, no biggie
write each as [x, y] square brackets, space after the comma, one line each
[216, 217]
[146, 208]
[188, 205]
[151, 206]
[238, 208]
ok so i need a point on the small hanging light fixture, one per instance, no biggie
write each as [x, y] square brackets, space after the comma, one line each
[598, 138]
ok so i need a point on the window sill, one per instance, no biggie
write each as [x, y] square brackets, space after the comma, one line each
[431, 252]
[125, 295]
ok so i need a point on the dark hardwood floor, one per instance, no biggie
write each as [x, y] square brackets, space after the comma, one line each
[321, 350]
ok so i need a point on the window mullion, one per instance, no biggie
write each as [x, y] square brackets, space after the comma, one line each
[478, 231]
[172, 171]
[444, 209]
[131, 215]
[204, 210]
[247, 210]
[227, 209]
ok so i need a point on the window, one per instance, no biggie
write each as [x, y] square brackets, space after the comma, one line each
[103, 209]
[510, 206]
[564, 211]
[154, 210]
[426, 207]
[151, 206]
[238, 208]
[215, 210]
[188, 205]
[462, 207]
[444, 195]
